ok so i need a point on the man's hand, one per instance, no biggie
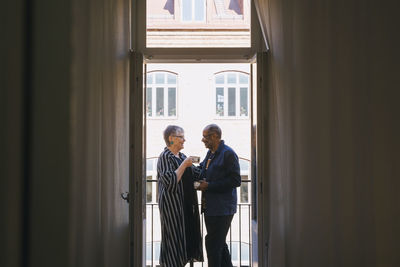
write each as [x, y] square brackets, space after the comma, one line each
[203, 185]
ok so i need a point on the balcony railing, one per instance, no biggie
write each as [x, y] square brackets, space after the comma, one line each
[238, 238]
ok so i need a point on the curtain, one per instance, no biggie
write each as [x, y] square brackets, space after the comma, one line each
[332, 79]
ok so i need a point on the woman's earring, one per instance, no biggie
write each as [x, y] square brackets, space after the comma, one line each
[172, 142]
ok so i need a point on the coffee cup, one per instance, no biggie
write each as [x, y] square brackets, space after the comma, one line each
[195, 159]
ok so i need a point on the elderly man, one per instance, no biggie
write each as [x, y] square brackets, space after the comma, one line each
[219, 177]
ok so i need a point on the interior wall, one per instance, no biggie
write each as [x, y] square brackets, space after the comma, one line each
[333, 91]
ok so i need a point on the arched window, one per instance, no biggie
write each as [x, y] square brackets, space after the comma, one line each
[231, 94]
[161, 94]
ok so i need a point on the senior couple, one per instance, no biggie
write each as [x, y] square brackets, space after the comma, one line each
[217, 176]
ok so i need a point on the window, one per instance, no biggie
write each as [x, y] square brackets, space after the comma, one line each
[193, 10]
[232, 94]
[243, 190]
[161, 95]
[152, 253]
[151, 181]
[197, 23]
[228, 9]
[153, 235]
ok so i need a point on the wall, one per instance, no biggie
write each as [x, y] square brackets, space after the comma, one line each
[333, 90]
[167, 28]
[196, 109]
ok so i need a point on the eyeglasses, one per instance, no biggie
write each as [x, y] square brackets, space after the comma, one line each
[180, 136]
[207, 136]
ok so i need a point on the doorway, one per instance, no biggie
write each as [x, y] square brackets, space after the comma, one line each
[193, 96]
[162, 101]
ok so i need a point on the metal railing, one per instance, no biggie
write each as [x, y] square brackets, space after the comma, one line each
[240, 248]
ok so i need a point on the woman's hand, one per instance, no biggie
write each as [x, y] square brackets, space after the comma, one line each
[181, 169]
[187, 162]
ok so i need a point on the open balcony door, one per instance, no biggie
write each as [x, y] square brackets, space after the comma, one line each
[137, 126]
[137, 168]
[259, 161]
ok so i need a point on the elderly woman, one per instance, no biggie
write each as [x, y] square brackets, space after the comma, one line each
[179, 213]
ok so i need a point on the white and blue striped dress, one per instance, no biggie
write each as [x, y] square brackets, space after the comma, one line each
[170, 201]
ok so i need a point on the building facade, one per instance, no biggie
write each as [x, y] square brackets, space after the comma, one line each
[198, 23]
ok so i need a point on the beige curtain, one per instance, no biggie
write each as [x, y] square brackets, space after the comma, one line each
[331, 74]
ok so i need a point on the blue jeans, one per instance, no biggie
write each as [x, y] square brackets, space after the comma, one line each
[217, 249]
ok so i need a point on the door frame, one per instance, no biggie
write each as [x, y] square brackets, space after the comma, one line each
[139, 56]
[137, 160]
[260, 158]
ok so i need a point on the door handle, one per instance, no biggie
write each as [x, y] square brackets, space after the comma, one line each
[125, 196]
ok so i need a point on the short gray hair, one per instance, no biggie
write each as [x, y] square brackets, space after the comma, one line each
[214, 129]
[171, 130]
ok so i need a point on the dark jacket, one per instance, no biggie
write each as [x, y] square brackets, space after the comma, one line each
[223, 176]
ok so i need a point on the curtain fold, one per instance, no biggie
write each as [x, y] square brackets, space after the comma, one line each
[262, 14]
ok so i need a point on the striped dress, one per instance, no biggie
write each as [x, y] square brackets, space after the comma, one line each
[170, 201]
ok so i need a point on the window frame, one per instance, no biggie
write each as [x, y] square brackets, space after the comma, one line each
[165, 86]
[237, 87]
